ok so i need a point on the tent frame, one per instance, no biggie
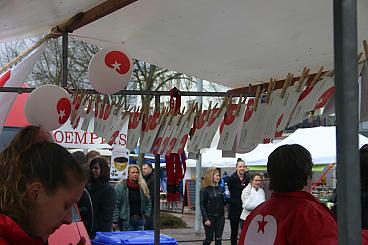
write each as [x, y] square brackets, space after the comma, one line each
[345, 50]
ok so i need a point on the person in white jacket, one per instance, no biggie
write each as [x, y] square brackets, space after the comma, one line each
[252, 196]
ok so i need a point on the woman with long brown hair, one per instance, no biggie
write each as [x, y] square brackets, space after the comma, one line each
[40, 182]
[212, 206]
[133, 202]
[102, 194]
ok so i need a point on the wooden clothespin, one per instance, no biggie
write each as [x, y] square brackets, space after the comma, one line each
[269, 90]
[365, 46]
[258, 94]
[223, 105]
[317, 77]
[194, 109]
[181, 116]
[304, 75]
[360, 56]
[208, 112]
[88, 96]
[239, 105]
[288, 80]
[126, 112]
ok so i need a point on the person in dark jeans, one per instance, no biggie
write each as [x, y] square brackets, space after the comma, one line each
[236, 183]
[148, 176]
[212, 206]
[102, 194]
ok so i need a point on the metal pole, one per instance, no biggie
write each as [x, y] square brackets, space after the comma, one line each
[156, 211]
[348, 167]
[64, 67]
[197, 221]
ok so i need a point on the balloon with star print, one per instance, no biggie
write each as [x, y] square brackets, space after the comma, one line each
[110, 69]
[48, 106]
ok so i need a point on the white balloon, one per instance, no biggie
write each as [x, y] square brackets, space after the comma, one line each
[48, 106]
[110, 70]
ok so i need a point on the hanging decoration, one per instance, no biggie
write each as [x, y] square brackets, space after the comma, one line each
[52, 114]
[110, 70]
[175, 163]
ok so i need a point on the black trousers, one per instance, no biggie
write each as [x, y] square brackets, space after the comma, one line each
[234, 225]
[216, 227]
[148, 224]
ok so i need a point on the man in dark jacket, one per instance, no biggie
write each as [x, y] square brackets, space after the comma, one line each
[148, 175]
[236, 183]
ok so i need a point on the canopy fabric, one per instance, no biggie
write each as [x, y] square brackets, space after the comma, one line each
[319, 141]
[233, 43]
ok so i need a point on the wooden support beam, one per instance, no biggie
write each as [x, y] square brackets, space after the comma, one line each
[84, 18]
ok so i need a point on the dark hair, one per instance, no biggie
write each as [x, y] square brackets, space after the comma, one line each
[239, 160]
[92, 154]
[289, 167]
[80, 157]
[254, 175]
[32, 157]
[148, 164]
[105, 170]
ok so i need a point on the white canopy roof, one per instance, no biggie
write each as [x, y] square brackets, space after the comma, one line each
[319, 141]
[228, 42]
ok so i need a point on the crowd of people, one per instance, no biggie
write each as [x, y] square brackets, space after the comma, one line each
[41, 182]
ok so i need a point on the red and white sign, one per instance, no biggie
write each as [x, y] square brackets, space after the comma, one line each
[48, 106]
[211, 128]
[110, 70]
[15, 77]
[175, 134]
[312, 99]
[152, 129]
[289, 102]
[134, 130]
[159, 137]
[115, 123]
[167, 136]
[200, 128]
[184, 133]
[245, 143]
[232, 121]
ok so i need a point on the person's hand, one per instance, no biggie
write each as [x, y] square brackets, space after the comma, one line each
[114, 227]
[82, 241]
[207, 223]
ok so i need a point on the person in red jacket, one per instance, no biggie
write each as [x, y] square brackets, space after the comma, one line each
[292, 215]
[39, 184]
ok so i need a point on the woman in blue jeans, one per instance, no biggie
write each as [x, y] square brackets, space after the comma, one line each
[132, 202]
[212, 206]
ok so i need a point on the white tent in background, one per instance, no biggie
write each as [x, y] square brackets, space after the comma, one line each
[319, 141]
[213, 157]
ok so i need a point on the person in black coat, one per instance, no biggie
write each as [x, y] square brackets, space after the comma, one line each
[364, 184]
[236, 183]
[212, 206]
[149, 177]
[102, 193]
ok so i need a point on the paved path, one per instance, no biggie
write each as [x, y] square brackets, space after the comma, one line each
[188, 236]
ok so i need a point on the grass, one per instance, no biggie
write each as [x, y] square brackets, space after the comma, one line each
[169, 221]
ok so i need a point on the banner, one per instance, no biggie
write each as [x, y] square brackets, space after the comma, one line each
[77, 138]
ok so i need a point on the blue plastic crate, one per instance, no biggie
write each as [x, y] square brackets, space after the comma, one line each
[130, 237]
